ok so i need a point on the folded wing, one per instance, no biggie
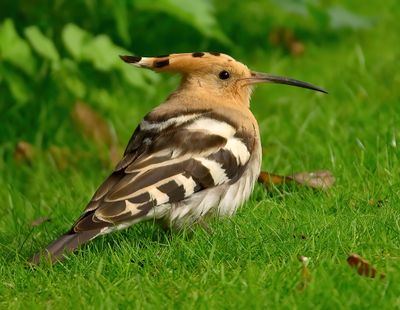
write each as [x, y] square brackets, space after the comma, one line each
[166, 161]
[173, 160]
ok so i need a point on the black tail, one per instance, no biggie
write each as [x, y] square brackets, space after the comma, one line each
[67, 243]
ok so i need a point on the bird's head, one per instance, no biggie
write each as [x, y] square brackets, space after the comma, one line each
[213, 74]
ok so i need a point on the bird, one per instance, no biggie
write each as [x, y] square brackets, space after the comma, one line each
[196, 155]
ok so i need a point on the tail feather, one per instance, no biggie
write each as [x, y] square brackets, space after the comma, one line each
[67, 243]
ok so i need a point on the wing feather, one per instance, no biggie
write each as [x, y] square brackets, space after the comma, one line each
[164, 163]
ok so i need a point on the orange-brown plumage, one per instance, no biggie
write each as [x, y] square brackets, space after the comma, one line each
[196, 154]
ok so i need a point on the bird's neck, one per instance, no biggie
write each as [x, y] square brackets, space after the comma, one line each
[198, 91]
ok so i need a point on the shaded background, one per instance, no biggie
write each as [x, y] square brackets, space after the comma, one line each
[68, 106]
[54, 53]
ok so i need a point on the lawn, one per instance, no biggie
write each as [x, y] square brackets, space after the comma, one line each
[250, 260]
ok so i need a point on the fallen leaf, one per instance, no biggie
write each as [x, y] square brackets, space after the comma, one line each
[24, 152]
[115, 154]
[364, 268]
[40, 221]
[297, 48]
[275, 37]
[269, 179]
[286, 38]
[305, 275]
[61, 156]
[93, 126]
[321, 180]
[281, 36]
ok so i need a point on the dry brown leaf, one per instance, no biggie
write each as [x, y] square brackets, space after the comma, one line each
[24, 152]
[305, 274]
[319, 179]
[275, 37]
[364, 268]
[297, 48]
[286, 38]
[115, 154]
[93, 126]
[40, 221]
[62, 156]
[281, 36]
[269, 179]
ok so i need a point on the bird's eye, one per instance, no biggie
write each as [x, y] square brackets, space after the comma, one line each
[223, 75]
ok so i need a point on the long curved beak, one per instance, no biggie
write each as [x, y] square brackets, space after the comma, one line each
[259, 77]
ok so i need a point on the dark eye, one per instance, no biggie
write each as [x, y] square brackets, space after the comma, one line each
[223, 75]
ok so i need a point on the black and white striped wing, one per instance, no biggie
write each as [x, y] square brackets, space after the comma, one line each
[166, 162]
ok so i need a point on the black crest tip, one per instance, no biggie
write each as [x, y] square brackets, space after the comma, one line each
[130, 59]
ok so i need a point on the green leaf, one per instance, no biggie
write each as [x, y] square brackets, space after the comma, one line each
[16, 84]
[298, 7]
[41, 44]
[198, 14]
[342, 18]
[75, 39]
[16, 50]
[102, 52]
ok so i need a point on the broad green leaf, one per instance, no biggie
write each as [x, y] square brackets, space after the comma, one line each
[198, 14]
[342, 18]
[16, 84]
[41, 44]
[75, 39]
[104, 55]
[14, 49]
[298, 7]
[102, 52]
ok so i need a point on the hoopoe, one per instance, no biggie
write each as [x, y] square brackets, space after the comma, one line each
[197, 154]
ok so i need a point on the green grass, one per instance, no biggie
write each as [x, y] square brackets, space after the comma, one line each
[249, 261]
